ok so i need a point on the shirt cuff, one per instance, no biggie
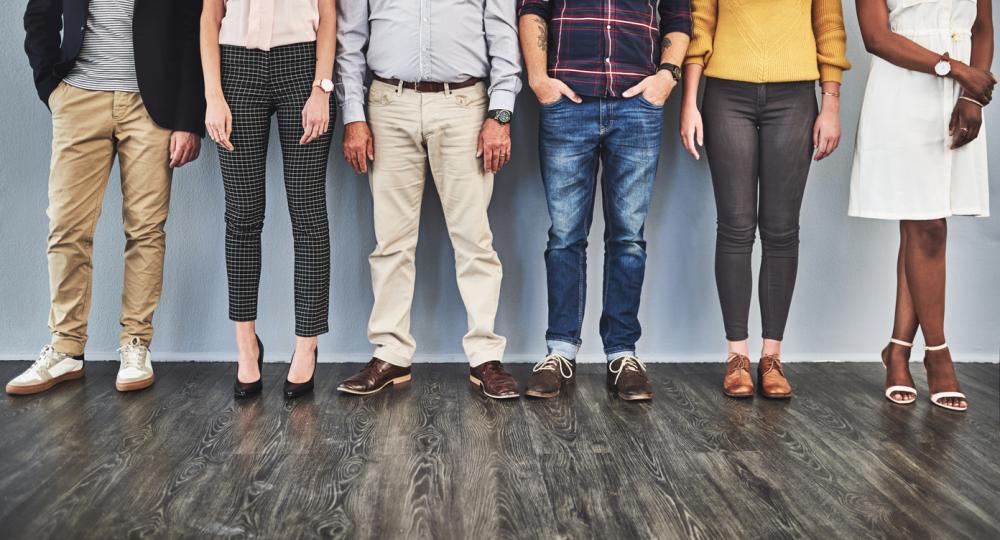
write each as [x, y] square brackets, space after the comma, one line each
[534, 9]
[502, 99]
[354, 111]
[828, 73]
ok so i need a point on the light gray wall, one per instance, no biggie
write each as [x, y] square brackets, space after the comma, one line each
[842, 308]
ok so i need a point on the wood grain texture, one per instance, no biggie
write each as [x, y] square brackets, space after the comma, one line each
[434, 459]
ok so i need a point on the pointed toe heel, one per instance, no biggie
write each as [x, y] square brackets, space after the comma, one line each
[242, 390]
[294, 390]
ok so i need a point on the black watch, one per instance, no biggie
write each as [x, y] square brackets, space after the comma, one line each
[675, 71]
[502, 116]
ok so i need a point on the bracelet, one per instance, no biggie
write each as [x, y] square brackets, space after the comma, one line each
[831, 94]
[966, 98]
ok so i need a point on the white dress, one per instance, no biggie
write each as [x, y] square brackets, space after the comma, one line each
[903, 165]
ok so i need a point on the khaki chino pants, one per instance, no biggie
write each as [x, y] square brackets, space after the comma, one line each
[410, 129]
[88, 130]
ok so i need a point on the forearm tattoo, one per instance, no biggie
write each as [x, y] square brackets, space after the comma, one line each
[543, 30]
[666, 43]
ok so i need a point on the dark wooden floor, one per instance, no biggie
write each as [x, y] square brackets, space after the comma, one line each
[434, 460]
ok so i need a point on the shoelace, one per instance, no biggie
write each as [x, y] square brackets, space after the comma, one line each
[626, 363]
[738, 362]
[775, 364]
[45, 358]
[553, 362]
[133, 354]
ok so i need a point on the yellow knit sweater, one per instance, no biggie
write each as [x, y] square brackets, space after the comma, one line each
[764, 41]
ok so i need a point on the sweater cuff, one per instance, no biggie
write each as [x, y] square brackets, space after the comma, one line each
[696, 60]
[828, 73]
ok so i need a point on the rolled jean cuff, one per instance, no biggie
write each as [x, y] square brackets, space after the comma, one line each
[563, 348]
[737, 337]
[386, 355]
[775, 336]
[67, 346]
[615, 355]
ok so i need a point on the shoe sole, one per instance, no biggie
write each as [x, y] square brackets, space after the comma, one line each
[541, 395]
[774, 396]
[637, 397]
[738, 396]
[134, 385]
[391, 382]
[482, 389]
[16, 390]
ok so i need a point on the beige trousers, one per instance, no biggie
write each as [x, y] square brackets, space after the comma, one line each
[410, 129]
[88, 130]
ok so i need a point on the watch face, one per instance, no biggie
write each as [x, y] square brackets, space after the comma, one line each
[942, 68]
[503, 117]
[326, 85]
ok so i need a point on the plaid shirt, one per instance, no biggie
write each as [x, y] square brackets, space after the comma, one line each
[600, 48]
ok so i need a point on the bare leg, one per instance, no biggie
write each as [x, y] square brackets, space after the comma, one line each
[772, 347]
[904, 327]
[740, 347]
[247, 351]
[925, 275]
[302, 366]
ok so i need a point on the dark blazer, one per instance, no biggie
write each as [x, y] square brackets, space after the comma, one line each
[165, 42]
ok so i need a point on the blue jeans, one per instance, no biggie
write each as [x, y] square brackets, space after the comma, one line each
[624, 136]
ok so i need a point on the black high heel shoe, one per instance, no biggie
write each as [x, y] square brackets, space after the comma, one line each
[294, 390]
[242, 390]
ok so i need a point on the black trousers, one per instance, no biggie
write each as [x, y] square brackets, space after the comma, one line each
[257, 84]
[758, 138]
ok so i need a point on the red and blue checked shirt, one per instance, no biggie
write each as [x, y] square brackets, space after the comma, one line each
[600, 48]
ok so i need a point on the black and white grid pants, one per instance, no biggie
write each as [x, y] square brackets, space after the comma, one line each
[258, 84]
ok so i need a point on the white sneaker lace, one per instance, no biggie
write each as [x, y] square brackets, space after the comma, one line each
[45, 358]
[133, 354]
[553, 362]
[626, 363]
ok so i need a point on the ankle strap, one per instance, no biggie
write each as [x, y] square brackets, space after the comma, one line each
[937, 347]
[900, 342]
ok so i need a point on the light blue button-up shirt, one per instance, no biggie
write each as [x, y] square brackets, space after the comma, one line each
[444, 41]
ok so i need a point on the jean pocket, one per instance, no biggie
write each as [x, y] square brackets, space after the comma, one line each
[380, 97]
[642, 100]
[558, 100]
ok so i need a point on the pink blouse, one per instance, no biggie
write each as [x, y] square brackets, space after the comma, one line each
[262, 24]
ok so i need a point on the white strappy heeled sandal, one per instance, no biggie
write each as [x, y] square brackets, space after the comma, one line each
[898, 387]
[938, 397]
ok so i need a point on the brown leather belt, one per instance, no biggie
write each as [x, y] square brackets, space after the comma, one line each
[427, 86]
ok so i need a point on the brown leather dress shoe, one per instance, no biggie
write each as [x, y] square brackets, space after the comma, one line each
[738, 383]
[627, 378]
[548, 376]
[375, 376]
[771, 378]
[493, 380]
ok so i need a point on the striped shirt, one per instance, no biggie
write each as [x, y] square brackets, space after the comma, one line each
[600, 48]
[106, 61]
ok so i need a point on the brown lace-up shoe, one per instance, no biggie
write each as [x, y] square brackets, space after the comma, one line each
[738, 383]
[548, 376]
[627, 378]
[493, 380]
[375, 376]
[771, 378]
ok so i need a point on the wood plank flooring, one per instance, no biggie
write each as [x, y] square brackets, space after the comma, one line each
[435, 460]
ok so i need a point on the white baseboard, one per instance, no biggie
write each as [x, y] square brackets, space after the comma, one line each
[510, 358]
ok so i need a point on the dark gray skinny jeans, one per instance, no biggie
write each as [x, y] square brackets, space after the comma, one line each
[758, 138]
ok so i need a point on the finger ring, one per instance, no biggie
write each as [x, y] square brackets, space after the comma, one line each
[963, 129]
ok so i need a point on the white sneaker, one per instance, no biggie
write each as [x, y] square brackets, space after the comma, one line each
[136, 370]
[51, 368]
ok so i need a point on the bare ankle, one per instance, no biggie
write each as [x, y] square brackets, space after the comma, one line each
[739, 347]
